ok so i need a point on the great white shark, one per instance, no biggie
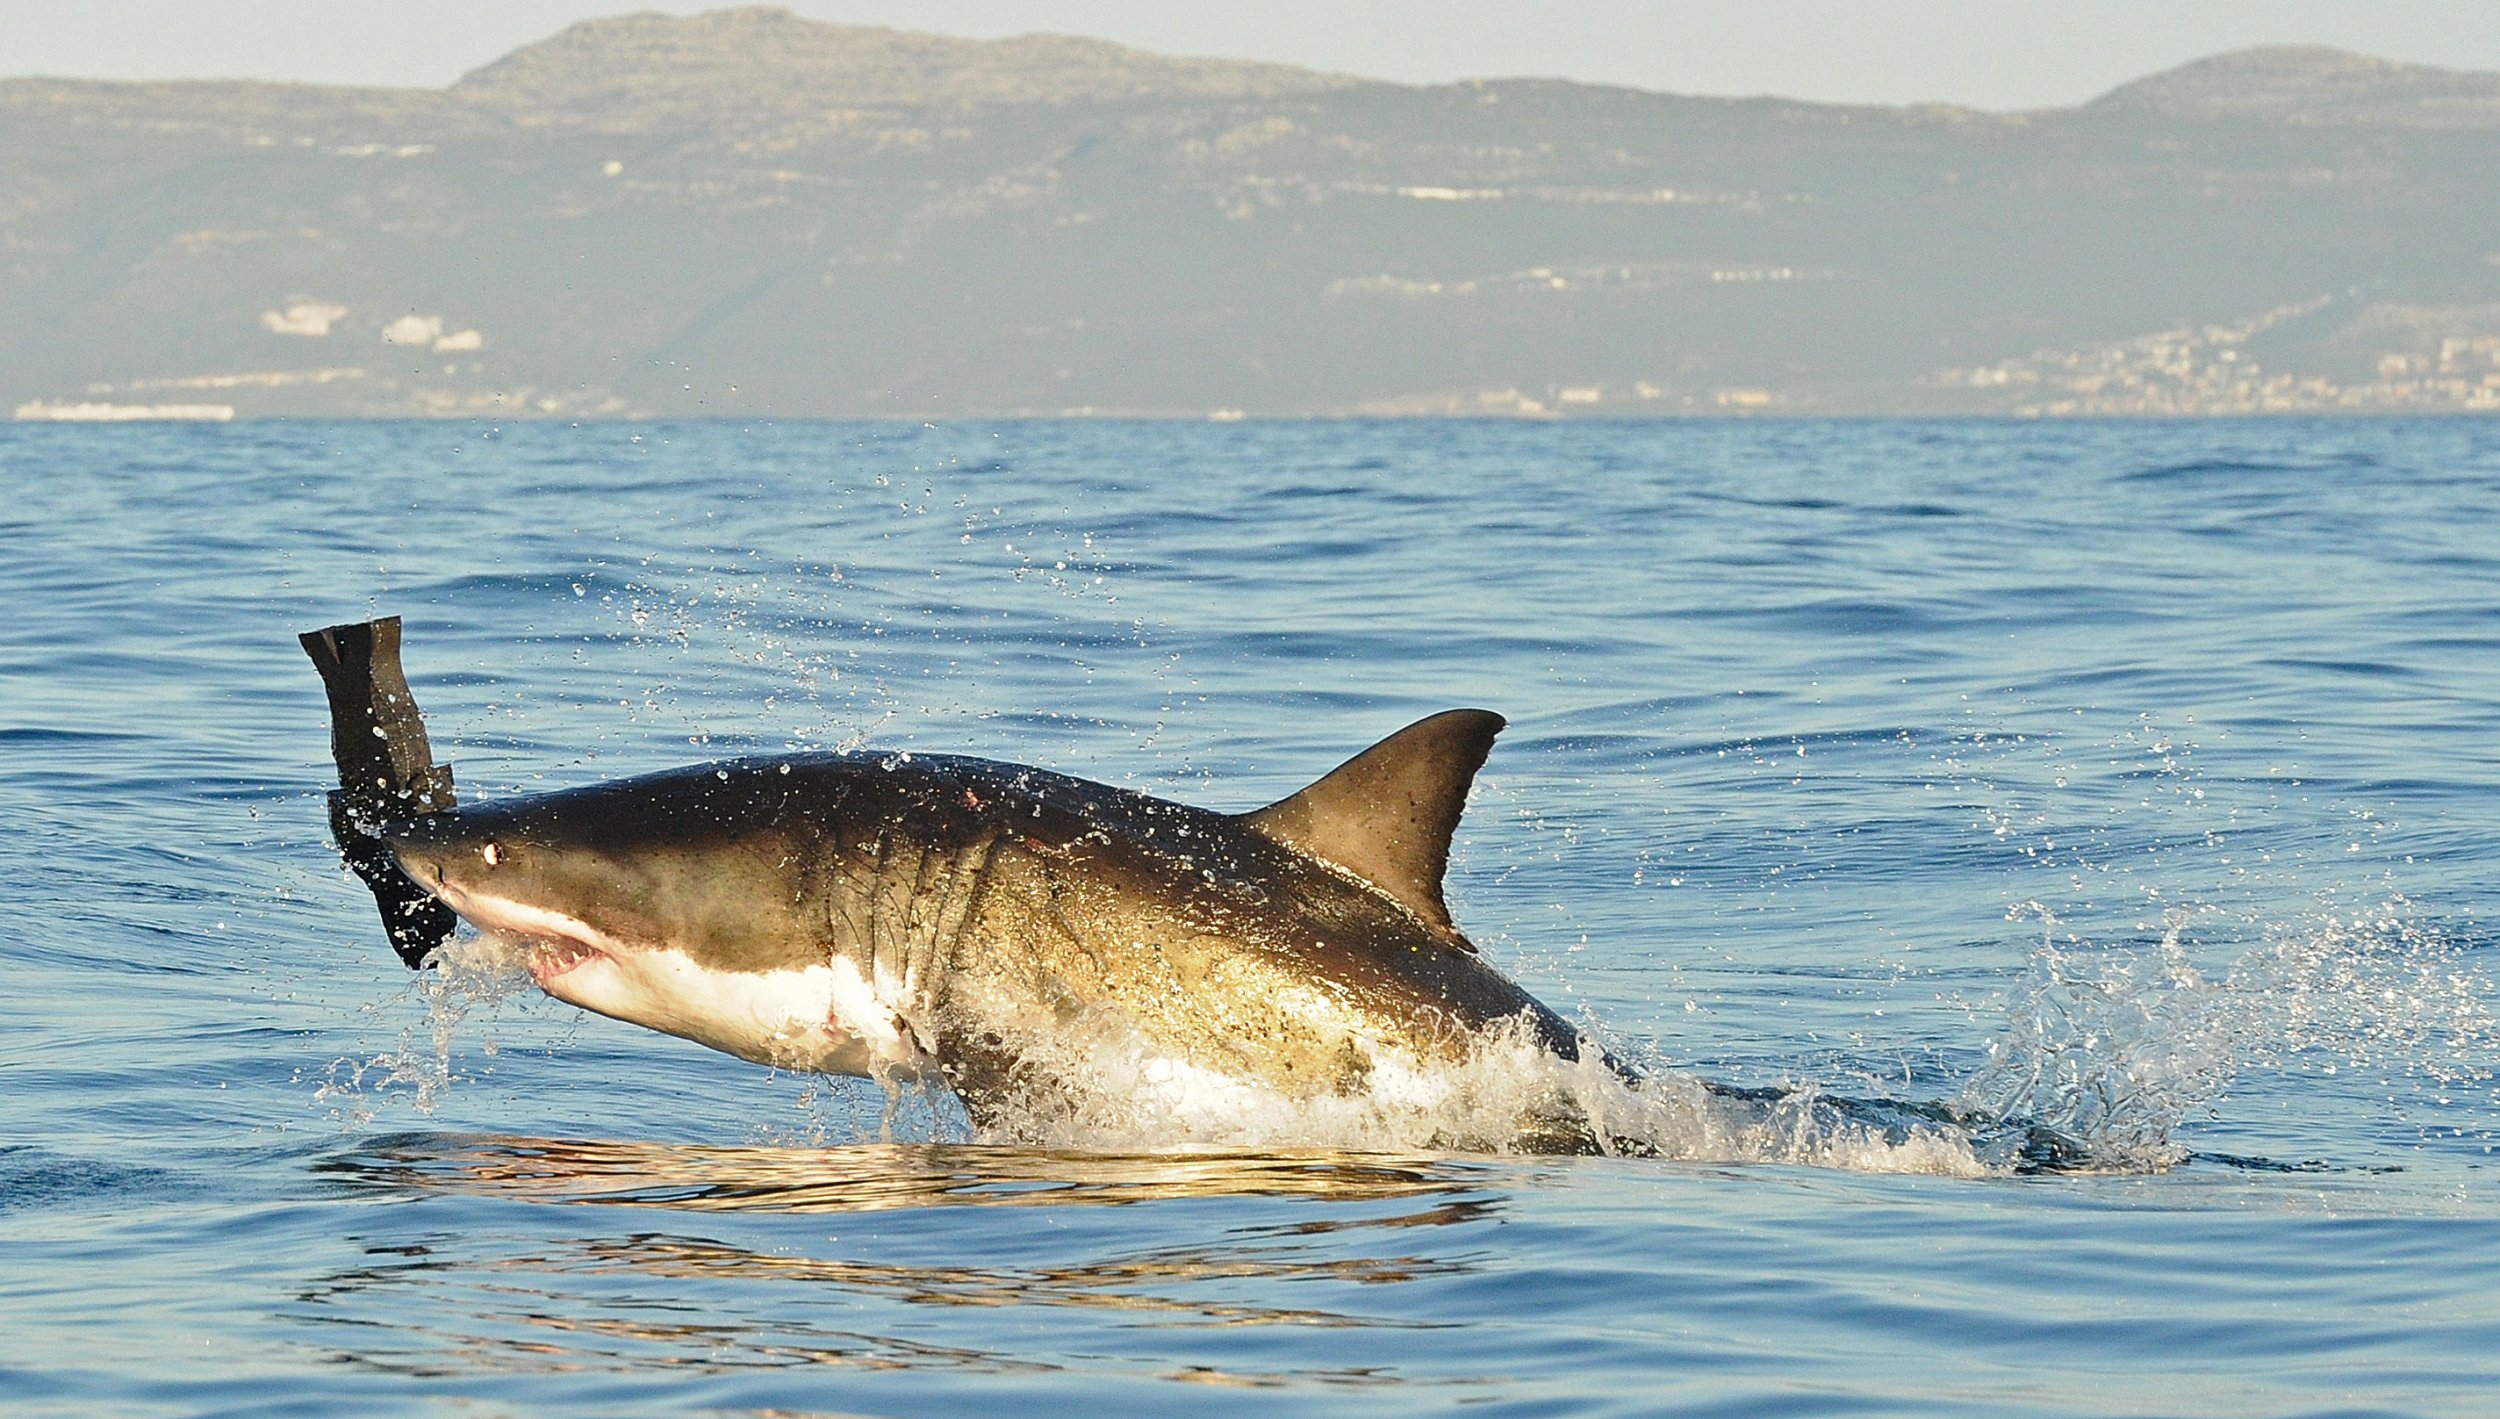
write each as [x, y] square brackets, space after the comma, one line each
[960, 920]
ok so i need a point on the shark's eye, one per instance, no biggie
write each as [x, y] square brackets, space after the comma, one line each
[493, 853]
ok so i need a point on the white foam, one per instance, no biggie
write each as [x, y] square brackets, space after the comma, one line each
[1508, 1095]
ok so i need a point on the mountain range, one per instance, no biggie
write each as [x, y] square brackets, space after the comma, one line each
[750, 214]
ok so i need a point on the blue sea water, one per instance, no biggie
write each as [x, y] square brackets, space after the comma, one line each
[2141, 779]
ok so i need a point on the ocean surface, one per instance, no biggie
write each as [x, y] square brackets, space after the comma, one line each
[2135, 781]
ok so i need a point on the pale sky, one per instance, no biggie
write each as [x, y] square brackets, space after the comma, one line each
[1984, 53]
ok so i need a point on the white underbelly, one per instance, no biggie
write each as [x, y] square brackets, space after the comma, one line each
[820, 1018]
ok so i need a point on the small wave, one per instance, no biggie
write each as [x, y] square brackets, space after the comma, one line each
[2223, 467]
[33, 1178]
[2205, 468]
[1849, 616]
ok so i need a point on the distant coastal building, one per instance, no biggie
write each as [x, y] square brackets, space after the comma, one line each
[312, 319]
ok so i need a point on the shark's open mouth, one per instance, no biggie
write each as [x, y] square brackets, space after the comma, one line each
[557, 944]
[550, 958]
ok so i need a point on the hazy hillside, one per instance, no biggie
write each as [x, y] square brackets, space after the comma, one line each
[750, 213]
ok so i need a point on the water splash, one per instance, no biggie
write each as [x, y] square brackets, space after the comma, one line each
[2119, 1046]
[2177, 960]
[827, 654]
[1506, 1096]
[470, 973]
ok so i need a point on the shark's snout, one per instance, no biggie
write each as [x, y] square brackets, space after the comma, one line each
[442, 853]
[458, 863]
[422, 867]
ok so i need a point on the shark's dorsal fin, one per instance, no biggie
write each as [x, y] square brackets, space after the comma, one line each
[1386, 815]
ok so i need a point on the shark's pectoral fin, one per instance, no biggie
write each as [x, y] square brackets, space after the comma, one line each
[1387, 814]
[980, 1067]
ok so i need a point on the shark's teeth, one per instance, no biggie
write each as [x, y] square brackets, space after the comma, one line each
[550, 959]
